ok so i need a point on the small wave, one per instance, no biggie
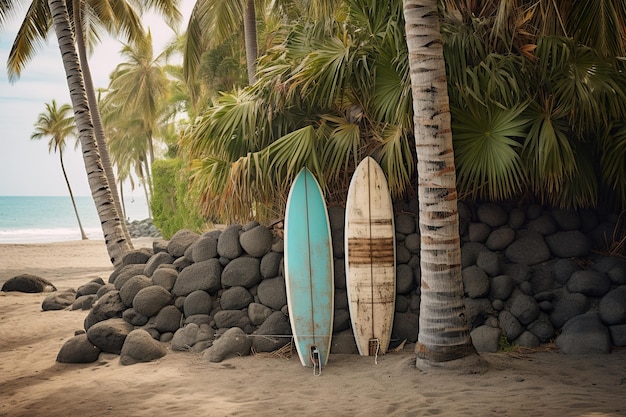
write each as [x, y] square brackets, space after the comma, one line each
[41, 235]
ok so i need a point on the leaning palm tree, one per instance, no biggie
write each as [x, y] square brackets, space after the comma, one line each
[443, 331]
[58, 124]
[117, 244]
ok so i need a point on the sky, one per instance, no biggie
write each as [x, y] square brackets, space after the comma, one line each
[26, 167]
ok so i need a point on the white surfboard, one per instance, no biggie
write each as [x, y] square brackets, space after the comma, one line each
[370, 258]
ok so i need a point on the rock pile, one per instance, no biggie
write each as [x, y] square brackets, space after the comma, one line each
[142, 228]
[529, 275]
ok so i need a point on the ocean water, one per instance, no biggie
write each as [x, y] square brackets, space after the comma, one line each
[39, 219]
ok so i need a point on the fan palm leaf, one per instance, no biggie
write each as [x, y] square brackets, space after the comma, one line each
[487, 149]
[548, 149]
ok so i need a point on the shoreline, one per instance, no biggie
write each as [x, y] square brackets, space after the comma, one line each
[32, 383]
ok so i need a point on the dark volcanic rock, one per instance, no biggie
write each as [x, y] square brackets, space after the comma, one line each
[567, 307]
[165, 277]
[257, 313]
[130, 289]
[58, 300]
[486, 338]
[78, 349]
[268, 336]
[492, 214]
[161, 258]
[584, 335]
[613, 306]
[234, 342]
[272, 293]
[530, 249]
[500, 239]
[28, 283]
[110, 305]
[231, 318]
[198, 302]
[124, 273]
[109, 335]
[589, 282]
[569, 244]
[270, 264]
[139, 346]
[205, 247]
[244, 271]
[228, 244]
[256, 241]
[204, 275]
[181, 240]
[133, 317]
[167, 320]
[84, 302]
[405, 223]
[235, 298]
[524, 308]
[475, 282]
[92, 287]
[137, 256]
[150, 300]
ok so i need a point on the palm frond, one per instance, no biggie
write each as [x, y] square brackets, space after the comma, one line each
[487, 149]
[342, 147]
[548, 148]
[396, 158]
[601, 25]
[30, 36]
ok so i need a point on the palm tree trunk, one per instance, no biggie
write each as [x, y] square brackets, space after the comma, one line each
[117, 244]
[95, 112]
[443, 330]
[83, 236]
[249, 28]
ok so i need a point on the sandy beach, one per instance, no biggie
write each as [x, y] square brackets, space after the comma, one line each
[32, 383]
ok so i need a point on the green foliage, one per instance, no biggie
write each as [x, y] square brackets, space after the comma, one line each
[330, 91]
[537, 106]
[504, 344]
[172, 207]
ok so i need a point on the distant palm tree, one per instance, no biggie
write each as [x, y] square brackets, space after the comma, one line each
[135, 102]
[58, 124]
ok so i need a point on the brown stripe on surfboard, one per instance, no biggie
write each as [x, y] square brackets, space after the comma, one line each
[364, 251]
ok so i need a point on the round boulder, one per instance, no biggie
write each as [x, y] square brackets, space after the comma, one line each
[613, 306]
[139, 346]
[204, 275]
[228, 244]
[198, 302]
[256, 241]
[150, 300]
[584, 335]
[181, 240]
[235, 298]
[272, 293]
[109, 335]
[130, 289]
[28, 283]
[244, 271]
[234, 342]
[78, 349]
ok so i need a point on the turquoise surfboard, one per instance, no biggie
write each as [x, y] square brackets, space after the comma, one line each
[309, 270]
